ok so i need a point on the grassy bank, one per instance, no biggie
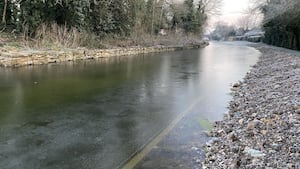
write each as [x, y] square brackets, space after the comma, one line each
[60, 37]
[57, 44]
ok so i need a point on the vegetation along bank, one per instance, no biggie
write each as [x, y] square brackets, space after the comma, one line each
[40, 32]
[282, 23]
[26, 58]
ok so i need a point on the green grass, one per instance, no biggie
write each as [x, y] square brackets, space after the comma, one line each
[205, 123]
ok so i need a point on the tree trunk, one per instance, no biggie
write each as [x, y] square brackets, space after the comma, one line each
[152, 21]
[4, 13]
[297, 38]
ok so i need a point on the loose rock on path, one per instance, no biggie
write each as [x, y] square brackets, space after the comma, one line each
[262, 127]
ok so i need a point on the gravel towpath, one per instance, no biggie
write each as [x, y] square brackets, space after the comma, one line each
[262, 127]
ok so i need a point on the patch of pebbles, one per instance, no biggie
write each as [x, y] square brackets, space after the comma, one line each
[262, 127]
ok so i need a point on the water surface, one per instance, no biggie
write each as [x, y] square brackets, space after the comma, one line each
[95, 114]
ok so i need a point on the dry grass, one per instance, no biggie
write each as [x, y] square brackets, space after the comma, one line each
[48, 35]
[54, 36]
[150, 40]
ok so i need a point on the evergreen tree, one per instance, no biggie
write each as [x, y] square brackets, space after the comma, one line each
[200, 18]
[102, 17]
[190, 17]
[121, 20]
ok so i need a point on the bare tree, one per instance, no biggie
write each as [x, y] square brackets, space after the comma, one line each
[4, 13]
[273, 8]
[223, 31]
[251, 18]
[212, 7]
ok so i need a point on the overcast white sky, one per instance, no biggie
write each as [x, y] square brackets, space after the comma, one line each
[234, 6]
[231, 11]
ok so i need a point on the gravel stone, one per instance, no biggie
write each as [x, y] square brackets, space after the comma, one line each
[262, 127]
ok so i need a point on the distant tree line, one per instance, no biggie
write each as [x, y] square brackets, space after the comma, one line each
[223, 31]
[103, 17]
[282, 23]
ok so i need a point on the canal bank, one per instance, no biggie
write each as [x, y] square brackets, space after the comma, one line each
[20, 58]
[261, 129]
